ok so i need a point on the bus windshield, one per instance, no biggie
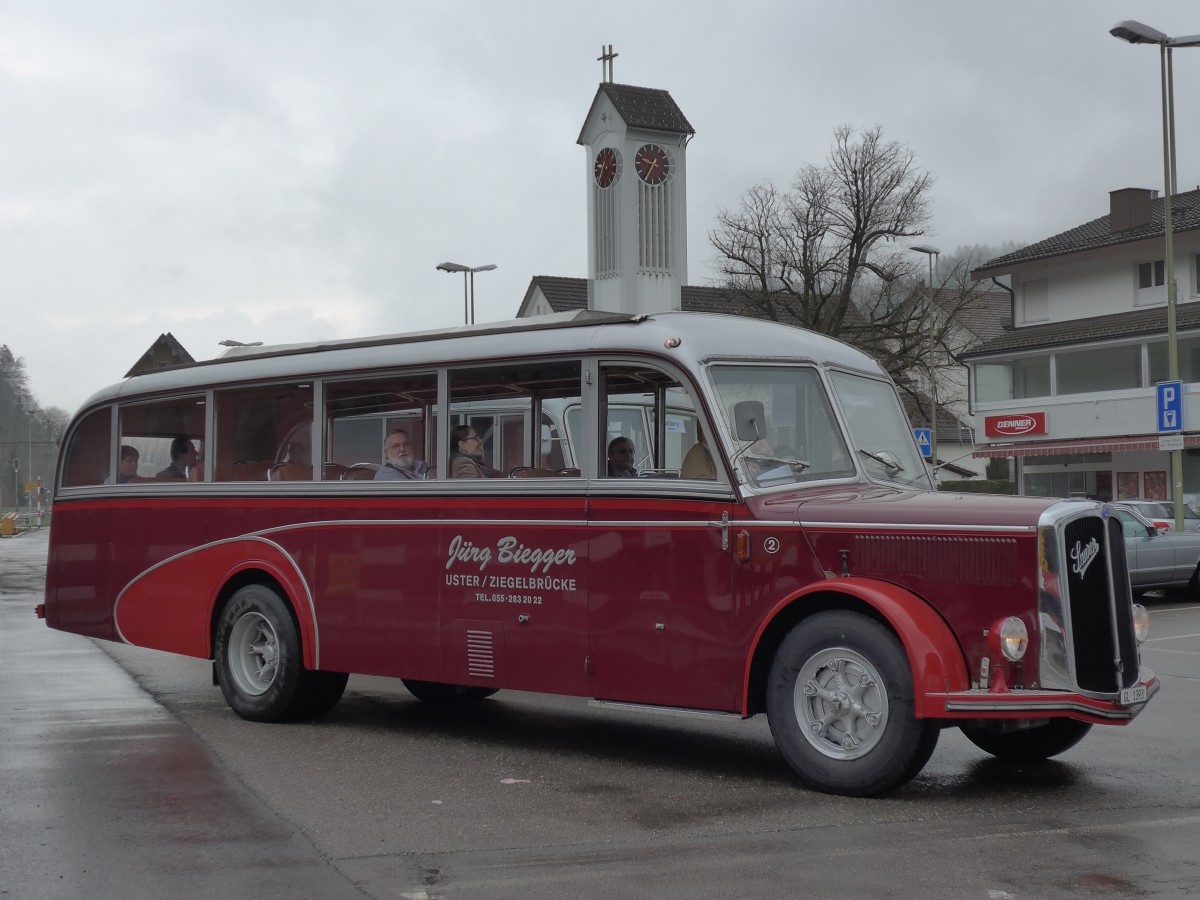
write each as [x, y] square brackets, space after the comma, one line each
[799, 439]
[879, 431]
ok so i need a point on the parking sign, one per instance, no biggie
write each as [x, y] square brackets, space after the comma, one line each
[1170, 406]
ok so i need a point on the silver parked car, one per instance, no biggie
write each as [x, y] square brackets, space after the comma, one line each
[1162, 513]
[1157, 559]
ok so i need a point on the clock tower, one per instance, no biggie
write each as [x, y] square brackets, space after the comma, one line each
[636, 142]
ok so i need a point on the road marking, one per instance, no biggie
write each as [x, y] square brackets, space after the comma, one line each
[1173, 637]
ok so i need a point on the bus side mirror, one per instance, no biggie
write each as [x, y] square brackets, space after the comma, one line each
[749, 420]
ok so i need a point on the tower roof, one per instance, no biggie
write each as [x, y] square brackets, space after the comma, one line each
[646, 108]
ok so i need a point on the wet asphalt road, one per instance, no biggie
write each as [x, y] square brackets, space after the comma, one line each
[123, 773]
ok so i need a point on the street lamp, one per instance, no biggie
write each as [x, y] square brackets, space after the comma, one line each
[1137, 33]
[468, 280]
[932, 253]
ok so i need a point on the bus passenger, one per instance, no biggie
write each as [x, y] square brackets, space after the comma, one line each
[183, 454]
[127, 467]
[698, 463]
[621, 453]
[399, 464]
[466, 454]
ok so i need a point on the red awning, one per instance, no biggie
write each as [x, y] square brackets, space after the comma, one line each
[1081, 445]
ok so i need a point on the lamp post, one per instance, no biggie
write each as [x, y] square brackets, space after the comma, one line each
[932, 253]
[1137, 33]
[29, 475]
[468, 285]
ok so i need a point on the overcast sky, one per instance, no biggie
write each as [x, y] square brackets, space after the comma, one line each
[288, 171]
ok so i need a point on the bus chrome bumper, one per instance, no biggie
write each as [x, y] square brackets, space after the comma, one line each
[1024, 704]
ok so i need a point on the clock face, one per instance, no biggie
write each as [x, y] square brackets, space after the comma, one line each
[652, 164]
[608, 164]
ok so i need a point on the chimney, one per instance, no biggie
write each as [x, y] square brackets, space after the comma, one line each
[1129, 208]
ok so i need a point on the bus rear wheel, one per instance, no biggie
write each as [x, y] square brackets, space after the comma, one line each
[436, 692]
[259, 664]
[840, 705]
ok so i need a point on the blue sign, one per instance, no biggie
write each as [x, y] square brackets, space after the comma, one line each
[1170, 406]
[924, 438]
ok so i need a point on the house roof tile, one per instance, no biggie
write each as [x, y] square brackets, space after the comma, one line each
[1134, 323]
[1185, 215]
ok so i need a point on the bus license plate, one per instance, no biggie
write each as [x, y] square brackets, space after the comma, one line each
[1130, 696]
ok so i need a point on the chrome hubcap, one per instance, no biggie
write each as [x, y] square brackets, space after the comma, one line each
[841, 703]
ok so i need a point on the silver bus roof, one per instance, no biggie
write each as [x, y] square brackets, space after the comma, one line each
[689, 338]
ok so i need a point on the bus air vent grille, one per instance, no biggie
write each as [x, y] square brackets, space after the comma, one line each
[481, 658]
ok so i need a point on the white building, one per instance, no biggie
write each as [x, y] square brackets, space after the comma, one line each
[1070, 392]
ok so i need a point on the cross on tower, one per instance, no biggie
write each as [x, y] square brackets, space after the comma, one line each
[605, 59]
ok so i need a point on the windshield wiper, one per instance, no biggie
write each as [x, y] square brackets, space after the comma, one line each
[890, 465]
[775, 460]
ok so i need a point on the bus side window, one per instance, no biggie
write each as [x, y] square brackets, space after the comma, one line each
[516, 411]
[654, 411]
[168, 436]
[89, 451]
[364, 419]
[264, 433]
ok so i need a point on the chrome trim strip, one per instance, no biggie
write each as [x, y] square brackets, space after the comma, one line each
[663, 710]
[497, 523]
[910, 526]
[1043, 701]
[342, 523]
[1120, 714]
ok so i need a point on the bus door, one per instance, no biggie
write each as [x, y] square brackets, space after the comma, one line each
[513, 543]
[661, 578]
[378, 566]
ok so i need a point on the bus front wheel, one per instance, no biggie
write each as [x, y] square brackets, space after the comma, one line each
[258, 657]
[840, 706]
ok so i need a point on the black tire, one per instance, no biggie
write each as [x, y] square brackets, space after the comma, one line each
[846, 663]
[436, 692]
[257, 651]
[1030, 744]
[322, 690]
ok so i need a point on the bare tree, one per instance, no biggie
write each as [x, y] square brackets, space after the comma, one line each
[823, 255]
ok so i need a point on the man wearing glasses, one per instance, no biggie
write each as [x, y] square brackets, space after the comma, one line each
[399, 463]
[466, 454]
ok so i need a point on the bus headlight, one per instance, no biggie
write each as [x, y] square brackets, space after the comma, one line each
[1141, 623]
[1010, 639]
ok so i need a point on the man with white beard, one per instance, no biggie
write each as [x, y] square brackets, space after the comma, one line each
[399, 463]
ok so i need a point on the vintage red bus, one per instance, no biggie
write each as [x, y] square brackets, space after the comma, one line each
[780, 548]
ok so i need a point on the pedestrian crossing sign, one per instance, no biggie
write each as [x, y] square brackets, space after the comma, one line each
[924, 438]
